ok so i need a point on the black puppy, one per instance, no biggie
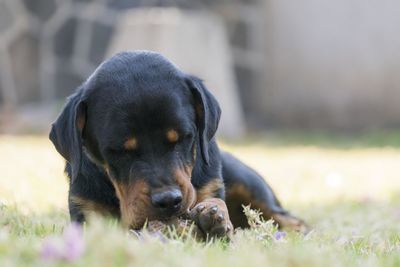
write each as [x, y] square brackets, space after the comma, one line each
[138, 138]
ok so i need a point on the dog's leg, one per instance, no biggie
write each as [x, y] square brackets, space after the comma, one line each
[245, 187]
[211, 213]
[91, 192]
[75, 211]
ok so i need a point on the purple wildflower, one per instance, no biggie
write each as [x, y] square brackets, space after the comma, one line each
[74, 244]
[69, 248]
[280, 235]
[51, 249]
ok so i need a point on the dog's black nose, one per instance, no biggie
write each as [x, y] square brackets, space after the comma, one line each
[168, 201]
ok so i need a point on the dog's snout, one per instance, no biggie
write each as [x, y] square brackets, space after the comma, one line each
[169, 201]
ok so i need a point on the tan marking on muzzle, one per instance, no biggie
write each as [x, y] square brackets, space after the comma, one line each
[135, 202]
[182, 177]
[188, 170]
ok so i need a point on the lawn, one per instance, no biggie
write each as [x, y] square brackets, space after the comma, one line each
[350, 195]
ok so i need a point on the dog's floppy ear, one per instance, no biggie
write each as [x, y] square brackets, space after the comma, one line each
[208, 114]
[66, 132]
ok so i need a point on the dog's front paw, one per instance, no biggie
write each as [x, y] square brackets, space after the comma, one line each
[212, 217]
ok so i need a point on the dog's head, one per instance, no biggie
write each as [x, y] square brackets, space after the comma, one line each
[143, 121]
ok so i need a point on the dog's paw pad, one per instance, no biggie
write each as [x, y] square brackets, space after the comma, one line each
[212, 218]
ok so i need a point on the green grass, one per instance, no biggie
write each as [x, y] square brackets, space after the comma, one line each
[349, 194]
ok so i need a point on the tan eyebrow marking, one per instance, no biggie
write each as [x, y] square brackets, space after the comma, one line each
[130, 144]
[172, 136]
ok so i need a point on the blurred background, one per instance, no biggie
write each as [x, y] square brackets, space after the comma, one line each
[275, 64]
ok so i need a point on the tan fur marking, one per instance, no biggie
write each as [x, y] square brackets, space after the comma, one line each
[107, 169]
[182, 177]
[135, 203]
[88, 207]
[172, 136]
[130, 144]
[194, 153]
[209, 190]
[291, 222]
[188, 170]
[240, 192]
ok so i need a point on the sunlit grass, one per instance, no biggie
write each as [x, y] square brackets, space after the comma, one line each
[351, 197]
[32, 174]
